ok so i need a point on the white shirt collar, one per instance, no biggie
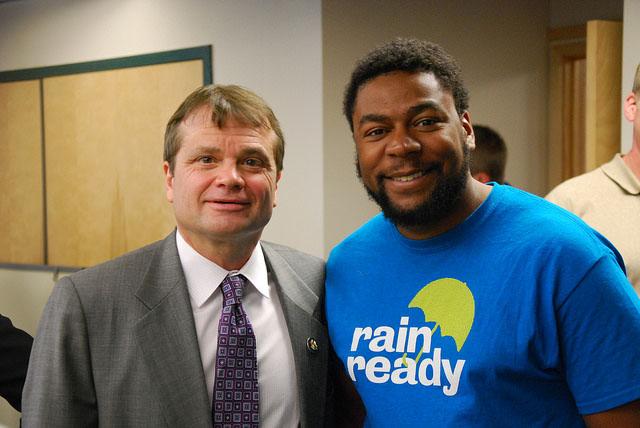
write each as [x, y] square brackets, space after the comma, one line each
[203, 276]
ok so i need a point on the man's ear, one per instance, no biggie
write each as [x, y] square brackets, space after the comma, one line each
[168, 181]
[630, 107]
[470, 140]
[275, 194]
[482, 177]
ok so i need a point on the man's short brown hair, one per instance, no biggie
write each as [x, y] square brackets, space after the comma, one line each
[636, 81]
[226, 102]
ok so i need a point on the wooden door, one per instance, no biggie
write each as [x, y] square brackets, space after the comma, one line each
[584, 98]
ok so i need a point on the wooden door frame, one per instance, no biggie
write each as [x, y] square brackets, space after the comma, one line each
[565, 46]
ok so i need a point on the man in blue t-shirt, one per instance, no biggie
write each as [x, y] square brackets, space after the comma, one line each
[465, 304]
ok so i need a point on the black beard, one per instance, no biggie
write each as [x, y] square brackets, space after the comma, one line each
[446, 194]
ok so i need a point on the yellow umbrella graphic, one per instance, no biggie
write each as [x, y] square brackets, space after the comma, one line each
[450, 304]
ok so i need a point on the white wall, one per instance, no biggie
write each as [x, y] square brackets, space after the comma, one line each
[630, 60]
[501, 47]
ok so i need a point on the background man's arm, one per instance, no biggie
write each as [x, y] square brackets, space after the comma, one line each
[15, 347]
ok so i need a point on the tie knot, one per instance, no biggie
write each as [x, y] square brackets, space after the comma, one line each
[233, 289]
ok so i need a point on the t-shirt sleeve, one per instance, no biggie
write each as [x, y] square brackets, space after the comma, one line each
[599, 328]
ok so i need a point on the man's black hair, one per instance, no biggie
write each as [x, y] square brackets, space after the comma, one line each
[490, 154]
[409, 55]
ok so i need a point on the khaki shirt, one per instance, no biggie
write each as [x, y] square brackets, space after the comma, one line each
[608, 199]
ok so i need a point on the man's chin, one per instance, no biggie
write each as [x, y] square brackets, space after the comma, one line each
[420, 214]
[416, 217]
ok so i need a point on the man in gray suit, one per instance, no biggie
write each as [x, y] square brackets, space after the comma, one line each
[137, 341]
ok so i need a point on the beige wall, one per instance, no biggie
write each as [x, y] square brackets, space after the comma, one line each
[501, 47]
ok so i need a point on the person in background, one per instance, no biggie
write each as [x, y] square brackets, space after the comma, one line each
[15, 347]
[608, 198]
[466, 304]
[210, 326]
[489, 158]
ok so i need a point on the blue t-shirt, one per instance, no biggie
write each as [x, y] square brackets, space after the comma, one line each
[519, 316]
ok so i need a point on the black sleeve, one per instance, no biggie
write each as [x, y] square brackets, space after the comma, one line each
[15, 347]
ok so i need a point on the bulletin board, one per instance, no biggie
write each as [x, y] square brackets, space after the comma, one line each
[83, 152]
[21, 203]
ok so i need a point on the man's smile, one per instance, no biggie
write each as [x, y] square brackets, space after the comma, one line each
[228, 204]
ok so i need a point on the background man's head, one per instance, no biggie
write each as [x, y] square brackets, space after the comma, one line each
[631, 106]
[410, 55]
[227, 102]
[489, 158]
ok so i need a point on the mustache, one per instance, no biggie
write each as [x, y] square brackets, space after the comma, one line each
[401, 166]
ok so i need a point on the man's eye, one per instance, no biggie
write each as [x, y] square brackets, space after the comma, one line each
[253, 162]
[205, 159]
[427, 121]
[375, 132]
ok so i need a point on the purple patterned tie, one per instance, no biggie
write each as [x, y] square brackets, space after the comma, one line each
[235, 390]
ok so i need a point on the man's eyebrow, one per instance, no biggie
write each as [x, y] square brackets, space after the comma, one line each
[206, 149]
[372, 118]
[257, 150]
[427, 105]
[414, 110]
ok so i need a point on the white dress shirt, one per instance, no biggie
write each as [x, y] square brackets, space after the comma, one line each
[279, 405]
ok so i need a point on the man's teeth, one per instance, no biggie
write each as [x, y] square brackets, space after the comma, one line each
[409, 177]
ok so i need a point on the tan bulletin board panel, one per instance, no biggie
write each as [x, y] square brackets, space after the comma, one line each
[21, 211]
[104, 141]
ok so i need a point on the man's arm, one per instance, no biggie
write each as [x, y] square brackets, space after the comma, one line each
[59, 390]
[601, 364]
[15, 347]
[627, 415]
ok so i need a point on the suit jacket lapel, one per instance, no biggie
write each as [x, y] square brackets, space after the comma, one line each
[168, 340]
[302, 313]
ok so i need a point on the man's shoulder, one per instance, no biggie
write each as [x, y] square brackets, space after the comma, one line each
[295, 258]
[553, 230]
[308, 268]
[580, 188]
[582, 180]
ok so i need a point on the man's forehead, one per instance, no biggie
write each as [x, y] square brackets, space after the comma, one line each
[200, 121]
[202, 117]
[401, 83]
[411, 90]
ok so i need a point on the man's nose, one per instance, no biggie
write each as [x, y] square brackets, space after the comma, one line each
[228, 174]
[402, 144]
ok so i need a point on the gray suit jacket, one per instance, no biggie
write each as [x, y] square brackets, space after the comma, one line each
[117, 345]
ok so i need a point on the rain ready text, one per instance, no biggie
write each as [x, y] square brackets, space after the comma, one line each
[426, 368]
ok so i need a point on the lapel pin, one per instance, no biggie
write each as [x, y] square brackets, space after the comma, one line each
[312, 344]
